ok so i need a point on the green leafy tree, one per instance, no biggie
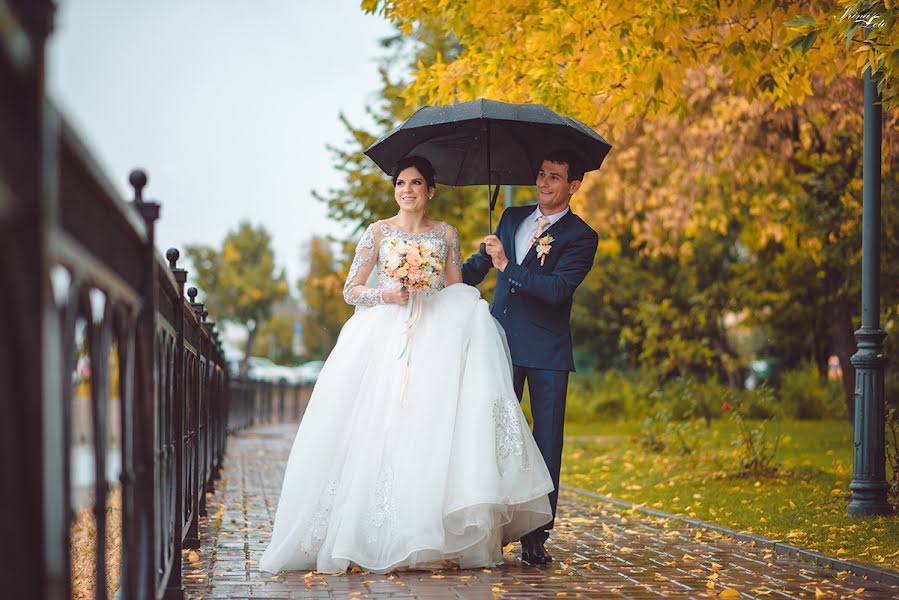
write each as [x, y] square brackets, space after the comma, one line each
[815, 256]
[240, 281]
[659, 310]
[868, 27]
[613, 64]
[734, 183]
[275, 340]
[322, 292]
[780, 189]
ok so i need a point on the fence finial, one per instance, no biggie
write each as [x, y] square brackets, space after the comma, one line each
[173, 255]
[138, 180]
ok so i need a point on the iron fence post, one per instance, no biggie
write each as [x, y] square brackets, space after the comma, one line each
[175, 587]
[31, 432]
[144, 408]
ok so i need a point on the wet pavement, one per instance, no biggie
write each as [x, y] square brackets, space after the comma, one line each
[599, 551]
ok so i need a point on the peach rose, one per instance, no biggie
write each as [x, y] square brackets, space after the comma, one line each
[413, 259]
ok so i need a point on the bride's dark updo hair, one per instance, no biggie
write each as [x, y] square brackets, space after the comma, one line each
[419, 162]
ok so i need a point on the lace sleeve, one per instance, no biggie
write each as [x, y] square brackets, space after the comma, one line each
[355, 291]
[452, 272]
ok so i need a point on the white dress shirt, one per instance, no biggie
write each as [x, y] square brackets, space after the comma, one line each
[528, 227]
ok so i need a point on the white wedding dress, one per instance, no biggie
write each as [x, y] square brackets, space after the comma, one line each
[446, 475]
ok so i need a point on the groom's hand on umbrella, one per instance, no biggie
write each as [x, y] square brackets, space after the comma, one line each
[496, 251]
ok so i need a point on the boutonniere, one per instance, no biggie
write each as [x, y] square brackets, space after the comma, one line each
[544, 245]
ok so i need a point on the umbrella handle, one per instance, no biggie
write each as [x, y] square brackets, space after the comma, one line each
[491, 204]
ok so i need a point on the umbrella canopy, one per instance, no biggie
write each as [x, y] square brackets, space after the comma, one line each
[488, 142]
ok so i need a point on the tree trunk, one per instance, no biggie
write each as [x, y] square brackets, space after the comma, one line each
[248, 352]
[843, 338]
[732, 375]
[822, 343]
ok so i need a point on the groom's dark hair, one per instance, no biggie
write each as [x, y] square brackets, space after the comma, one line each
[421, 163]
[570, 158]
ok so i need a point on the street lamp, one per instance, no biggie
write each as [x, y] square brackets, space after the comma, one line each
[869, 486]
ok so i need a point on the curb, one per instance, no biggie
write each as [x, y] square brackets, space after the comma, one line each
[869, 572]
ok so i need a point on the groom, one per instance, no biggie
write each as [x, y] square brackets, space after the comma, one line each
[541, 253]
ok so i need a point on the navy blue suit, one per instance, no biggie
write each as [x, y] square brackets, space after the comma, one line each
[533, 304]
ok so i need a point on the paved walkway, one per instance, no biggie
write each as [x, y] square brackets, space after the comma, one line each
[600, 552]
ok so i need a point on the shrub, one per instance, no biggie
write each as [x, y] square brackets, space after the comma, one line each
[659, 432]
[804, 394]
[756, 446]
[652, 433]
[609, 395]
[686, 399]
[756, 404]
[892, 450]
[891, 383]
[637, 395]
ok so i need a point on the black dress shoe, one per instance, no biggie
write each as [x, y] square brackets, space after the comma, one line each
[539, 554]
[528, 554]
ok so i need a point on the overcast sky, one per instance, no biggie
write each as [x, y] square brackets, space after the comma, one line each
[228, 104]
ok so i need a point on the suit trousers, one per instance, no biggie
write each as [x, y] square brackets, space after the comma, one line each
[548, 389]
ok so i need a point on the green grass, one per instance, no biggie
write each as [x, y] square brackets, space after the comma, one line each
[802, 502]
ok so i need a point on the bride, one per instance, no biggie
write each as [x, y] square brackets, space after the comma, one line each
[413, 462]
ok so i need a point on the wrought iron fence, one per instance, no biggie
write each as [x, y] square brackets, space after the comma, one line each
[114, 386]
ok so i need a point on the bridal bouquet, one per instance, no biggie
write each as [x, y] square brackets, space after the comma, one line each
[416, 266]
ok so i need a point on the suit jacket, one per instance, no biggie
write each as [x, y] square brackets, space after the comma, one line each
[533, 302]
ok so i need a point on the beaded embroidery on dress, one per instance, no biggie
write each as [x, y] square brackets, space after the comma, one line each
[446, 476]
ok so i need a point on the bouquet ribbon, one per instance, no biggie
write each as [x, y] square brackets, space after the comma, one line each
[413, 314]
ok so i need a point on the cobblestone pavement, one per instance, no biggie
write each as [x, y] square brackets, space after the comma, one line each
[600, 552]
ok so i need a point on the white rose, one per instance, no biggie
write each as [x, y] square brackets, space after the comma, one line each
[393, 261]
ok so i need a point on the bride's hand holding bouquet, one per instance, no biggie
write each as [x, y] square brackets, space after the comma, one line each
[395, 296]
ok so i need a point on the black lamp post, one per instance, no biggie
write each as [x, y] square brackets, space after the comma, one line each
[869, 486]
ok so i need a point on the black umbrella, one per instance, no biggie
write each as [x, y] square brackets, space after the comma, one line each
[485, 142]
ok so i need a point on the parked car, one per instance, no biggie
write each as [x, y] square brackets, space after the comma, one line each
[264, 369]
[232, 360]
